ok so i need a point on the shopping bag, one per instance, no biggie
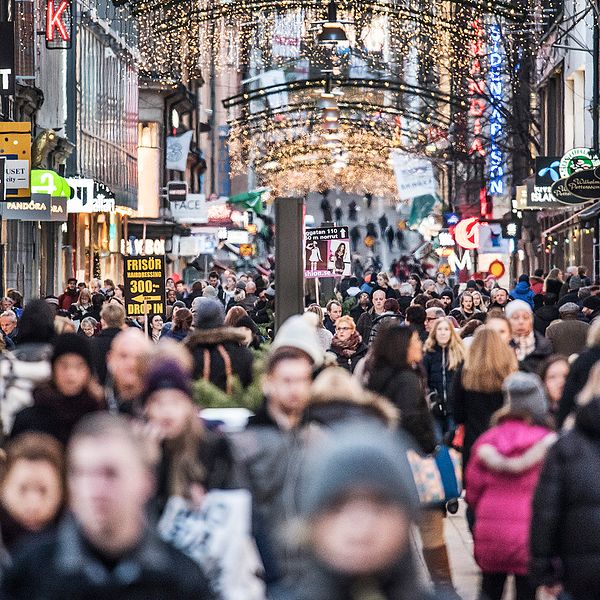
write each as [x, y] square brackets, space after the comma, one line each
[217, 536]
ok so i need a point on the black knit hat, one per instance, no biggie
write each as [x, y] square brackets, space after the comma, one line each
[71, 343]
[167, 375]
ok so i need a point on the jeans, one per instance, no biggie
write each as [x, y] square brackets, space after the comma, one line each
[492, 587]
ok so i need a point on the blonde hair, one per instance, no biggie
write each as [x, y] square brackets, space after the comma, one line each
[348, 321]
[456, 348]
[590, 389]
[482, 308]
[488, 362]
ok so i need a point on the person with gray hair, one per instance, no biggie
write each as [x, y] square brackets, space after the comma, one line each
[218, 351]
[8, 324]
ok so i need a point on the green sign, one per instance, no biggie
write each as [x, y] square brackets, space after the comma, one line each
[51, 183]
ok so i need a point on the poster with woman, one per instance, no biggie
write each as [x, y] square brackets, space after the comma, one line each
[326, 252]
[339, 258]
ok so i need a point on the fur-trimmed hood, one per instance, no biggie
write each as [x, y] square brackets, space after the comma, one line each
[212, 337]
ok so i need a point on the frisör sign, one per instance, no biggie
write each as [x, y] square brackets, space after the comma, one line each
[144, 285]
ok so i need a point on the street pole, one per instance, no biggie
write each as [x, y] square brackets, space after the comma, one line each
[595, 120]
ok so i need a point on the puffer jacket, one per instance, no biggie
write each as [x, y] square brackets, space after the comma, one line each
[565, 528]
[523, 292]
[503, 471]
[439, 377]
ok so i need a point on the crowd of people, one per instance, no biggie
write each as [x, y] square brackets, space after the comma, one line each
[382, 407]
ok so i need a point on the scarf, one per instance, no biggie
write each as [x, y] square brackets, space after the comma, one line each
[348, 348]
[524, 346]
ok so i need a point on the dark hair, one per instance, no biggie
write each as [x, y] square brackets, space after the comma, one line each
[469, 329]
[434, 303]
[416, 314]
[550, 299]
[391, 305]
[98, 300]
[551, 360]
[418, 280]
[390, 348]
[285, 353]
[73, 279]
[213, 274]
[182, 320]
[36, 323]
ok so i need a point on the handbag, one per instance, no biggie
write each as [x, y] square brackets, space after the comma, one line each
[438, 477]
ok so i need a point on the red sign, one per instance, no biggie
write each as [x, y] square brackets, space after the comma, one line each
[476, 88]
[466, 233]
[59, 24]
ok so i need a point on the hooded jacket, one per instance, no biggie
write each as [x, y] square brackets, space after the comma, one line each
[565, 528]
[523, 292]
[503, 471]
[211, 344]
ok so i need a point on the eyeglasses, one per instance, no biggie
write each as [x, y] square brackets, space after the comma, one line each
[343, 328]
[432, 318]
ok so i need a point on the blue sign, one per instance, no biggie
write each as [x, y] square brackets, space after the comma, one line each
[497, 159]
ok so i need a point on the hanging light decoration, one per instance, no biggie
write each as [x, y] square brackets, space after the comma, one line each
[332, 31]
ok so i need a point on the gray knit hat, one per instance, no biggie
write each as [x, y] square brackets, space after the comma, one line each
[358, 458]
[524, 392]
[575, 282]
[209, 292]
[568, 308]
[208, 313]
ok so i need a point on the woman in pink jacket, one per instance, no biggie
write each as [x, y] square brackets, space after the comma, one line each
[503, 470]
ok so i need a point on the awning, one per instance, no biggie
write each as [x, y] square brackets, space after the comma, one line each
[590, 212]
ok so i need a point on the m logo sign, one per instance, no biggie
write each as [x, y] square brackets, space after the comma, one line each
[7, 59]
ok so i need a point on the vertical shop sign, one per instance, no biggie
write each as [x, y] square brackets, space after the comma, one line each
[7, 59]
[496, 160]
[144, 285]
[59, 24]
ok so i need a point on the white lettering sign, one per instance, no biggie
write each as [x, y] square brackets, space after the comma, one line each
[459, 264]
[16, 174]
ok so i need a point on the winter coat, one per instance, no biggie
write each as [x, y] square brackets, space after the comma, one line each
[21, 370]
[543, 316]
[365, 322]
[67, 298]
[169, 334]
[473, 410]
[565, 528]
[577, 378]
[568, 336]
[62, 566]
[406, 391]
[357, 311]
[532, 363]
[439, 377]
[100, 345]
[211, 345]
[523, 292]
[53, 413]
[349, 363]
[570, 297]
[503, 471]
[382, 320]
[325, 336]
[329, 324]
[553, 286]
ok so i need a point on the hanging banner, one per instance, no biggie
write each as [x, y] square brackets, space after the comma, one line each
[90, 196]
[41, 207]
[145, 288]
[59, 24]
[192, 210]
[178, 149]
[287, 34]
[7, 58]
[327, 252]
[15, 146]
[414, 176]
[584, 184]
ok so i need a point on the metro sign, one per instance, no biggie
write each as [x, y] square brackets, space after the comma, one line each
[59, 24]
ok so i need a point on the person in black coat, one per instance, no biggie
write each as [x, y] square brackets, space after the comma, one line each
[217, 350]
[545, 314]
[70, 395]
[578, 374]
[112, 318]
[565, 526]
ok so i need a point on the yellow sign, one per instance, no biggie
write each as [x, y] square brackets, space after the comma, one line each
[15, 145]
[246, 250]
[144, 285]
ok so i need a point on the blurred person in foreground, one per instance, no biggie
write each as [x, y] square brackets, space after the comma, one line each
[105, 548]
[356, 514]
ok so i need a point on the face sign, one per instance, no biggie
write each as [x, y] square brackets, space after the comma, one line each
[378, 301]
[363, 300]
[443, 334]
[335, 312]
[70, 374]
[170, 411]
[108, 486]
[288, 386]
[214, 281]
[7, 304]
[361, 535]
[123, 363]
[32, 493]
[501, 327]
[521, 323]
[71, 285]
[381, 281]
[157, 322]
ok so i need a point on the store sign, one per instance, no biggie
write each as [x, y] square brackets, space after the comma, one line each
[414, 176]
[7, 58]
[192, 210]
[16, 174]
[49, 182]
[585, 184]
[460, 263]
[547, 170]
[59, 24]
[145, 288]
[476, 90]
[238, 236]
[466, 233]
[577, 159]
[148, 247]
[246, 250]
[90, 196]
[497, 158]
[41, 207]
[445, 239]
[562, 195]
[15, 146]
[219, 214]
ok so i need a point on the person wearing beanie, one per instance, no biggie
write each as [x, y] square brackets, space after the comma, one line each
[523, 291]
[447, 299]
[70, 394]
[503, 472]
[531, 347]
[575, 284]
[218, 351]
[568, 335]
[300, 332]
[193, 458]
[591, 308]
[545, 314]
[209, 292]
[356, 513]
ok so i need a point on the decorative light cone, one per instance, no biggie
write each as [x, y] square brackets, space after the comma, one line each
[327, 101]
[332, 33]
[330, 125]
[331, 114]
